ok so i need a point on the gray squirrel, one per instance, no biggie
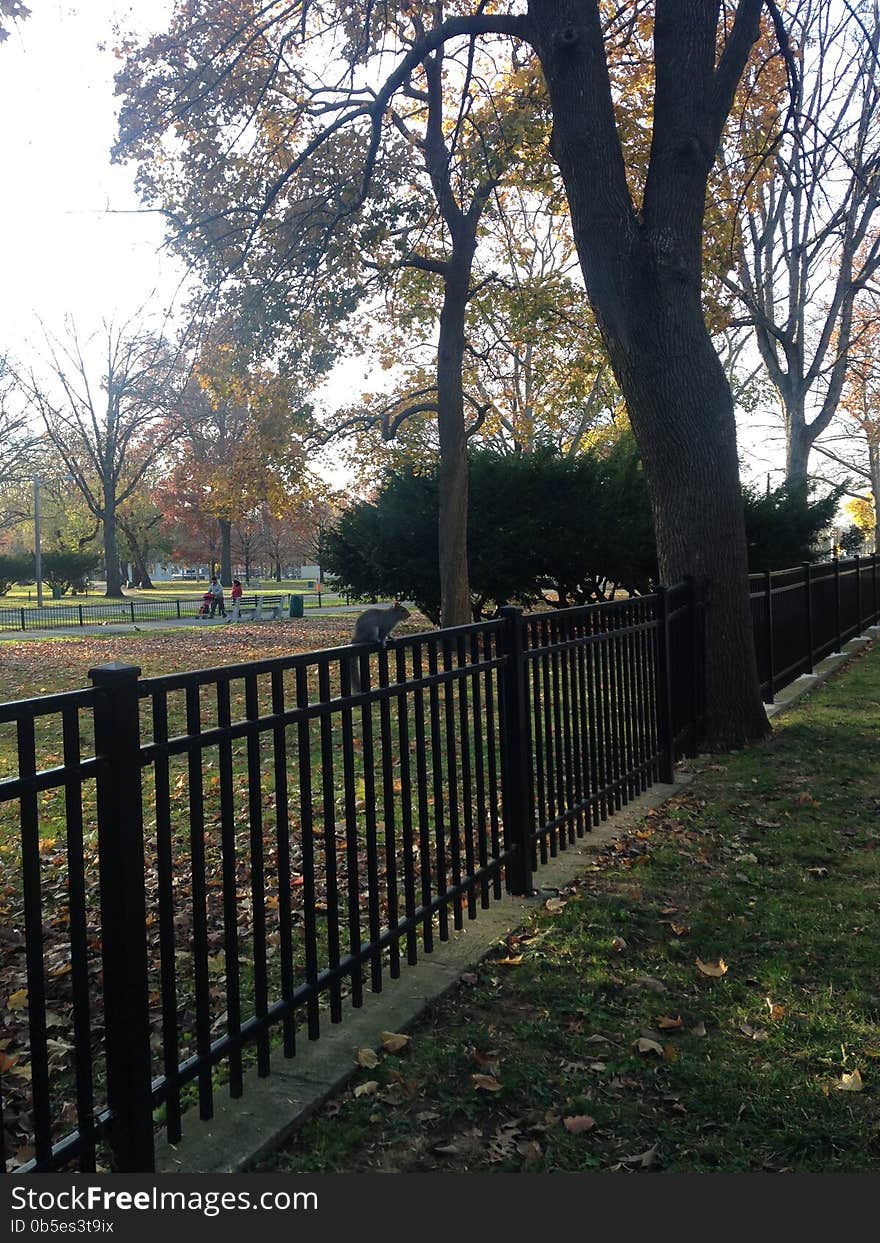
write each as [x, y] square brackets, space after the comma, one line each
[374, 626]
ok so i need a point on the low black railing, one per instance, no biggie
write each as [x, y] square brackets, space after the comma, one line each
[196, 867]
[804, 614]
[63, 616]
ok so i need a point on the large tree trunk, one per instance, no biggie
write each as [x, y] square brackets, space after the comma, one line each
[642, 269]
[798, 443]
[111, 552]
[687, 437]
[455, 603]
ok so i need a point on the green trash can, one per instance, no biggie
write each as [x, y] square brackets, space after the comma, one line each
[295, 608]
[57, 593]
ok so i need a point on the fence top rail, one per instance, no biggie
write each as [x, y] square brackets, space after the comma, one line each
[818, 569]
[45, 705]
[561, 616]
[305, 660]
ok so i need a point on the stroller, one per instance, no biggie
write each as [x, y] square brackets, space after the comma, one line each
[205, 608]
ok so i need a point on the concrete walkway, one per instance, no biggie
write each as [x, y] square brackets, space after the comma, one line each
[173, 623]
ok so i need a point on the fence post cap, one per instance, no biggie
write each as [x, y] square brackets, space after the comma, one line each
[114, 671]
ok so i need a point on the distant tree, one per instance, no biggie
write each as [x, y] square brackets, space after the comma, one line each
[808, 242]
[143, 538]
[14, 568]
[64, 570]
[107, 432]
[851, 539]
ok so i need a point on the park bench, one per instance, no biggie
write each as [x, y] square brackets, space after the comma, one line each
[259, 607]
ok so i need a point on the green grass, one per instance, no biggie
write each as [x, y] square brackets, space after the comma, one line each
[771, 862]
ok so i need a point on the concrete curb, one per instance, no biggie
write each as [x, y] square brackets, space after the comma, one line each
[243, 1132]
[789, 695]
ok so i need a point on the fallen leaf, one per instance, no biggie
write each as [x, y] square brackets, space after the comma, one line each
[644, 1160]
[679, 929]
[6, 1062]
[486, 1083]
[508, 962]
[819, 873]
[666, 1024]
[644, 1045]
[618, 943]
[579, 1123]
[370, 1088]
[367, 1057]
[776, 1012]
[555, 904]
[850, 1083]
[699, 1029]
[753, 1033]
[17, 1000]
[715, 970]
[393, 1042]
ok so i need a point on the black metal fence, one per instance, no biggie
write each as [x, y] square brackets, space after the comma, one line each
[63, 616]
[804, 614]
[199, 867]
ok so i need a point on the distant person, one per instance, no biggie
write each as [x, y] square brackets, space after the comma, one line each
[236, 591]
[216, 590]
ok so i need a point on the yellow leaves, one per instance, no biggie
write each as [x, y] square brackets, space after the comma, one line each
[370, 1088]
[513, 961]
[713, 969]
[367, 1058]
[17, 1000]
[667, 1024]
[777, 1012]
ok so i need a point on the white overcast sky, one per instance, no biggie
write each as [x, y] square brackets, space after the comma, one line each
[75, 240]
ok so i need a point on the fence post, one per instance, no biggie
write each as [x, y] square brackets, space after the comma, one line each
[177, 602]
[123, 915]
[837, 628]
[875, 613]
[858, 562]
[22, 618]
[808, 613]
[768, 615]
[514, 759]
[663, 675]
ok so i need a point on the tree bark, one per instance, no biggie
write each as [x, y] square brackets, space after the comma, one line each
[642, 269]
[225, 551]
[798, 443]
[111, 552]
[455, 603]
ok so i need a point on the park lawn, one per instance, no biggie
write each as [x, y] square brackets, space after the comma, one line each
[706, 999]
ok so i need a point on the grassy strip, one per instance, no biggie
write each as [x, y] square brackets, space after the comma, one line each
[704, 999]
